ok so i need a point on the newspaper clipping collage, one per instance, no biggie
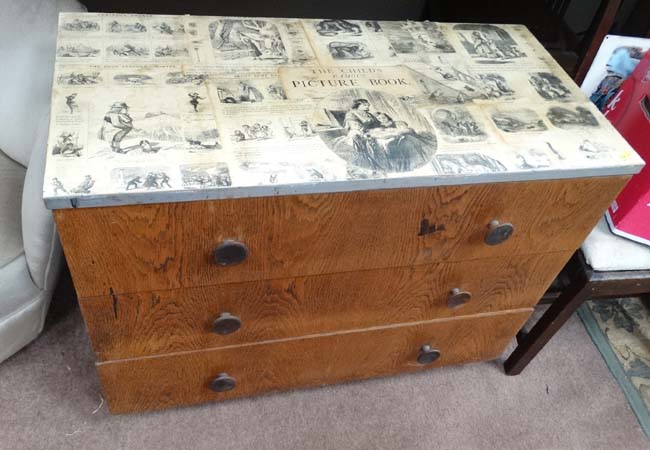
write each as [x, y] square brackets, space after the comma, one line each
[169, 103]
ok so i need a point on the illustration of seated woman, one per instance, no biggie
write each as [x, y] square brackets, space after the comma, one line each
[381, 143]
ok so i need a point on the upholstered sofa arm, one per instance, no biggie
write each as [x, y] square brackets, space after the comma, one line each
[41, 244]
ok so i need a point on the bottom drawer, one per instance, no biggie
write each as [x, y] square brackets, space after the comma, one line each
[186, 378]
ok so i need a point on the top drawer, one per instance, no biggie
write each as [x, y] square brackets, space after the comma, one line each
[171, 245]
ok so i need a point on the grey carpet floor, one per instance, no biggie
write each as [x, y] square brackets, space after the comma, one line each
[50, 398]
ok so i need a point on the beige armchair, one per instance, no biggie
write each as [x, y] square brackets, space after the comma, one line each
[30, 255]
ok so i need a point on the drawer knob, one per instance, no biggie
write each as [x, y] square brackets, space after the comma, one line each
[499, 232]
[428, 354]
[458, 298]
[229, 253]
[222, 383]
[226, 323]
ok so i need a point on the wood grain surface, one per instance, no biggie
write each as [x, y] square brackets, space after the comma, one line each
[181, 379]
[141, 324]
[165, 246]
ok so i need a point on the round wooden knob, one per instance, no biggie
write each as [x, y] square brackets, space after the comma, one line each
[458, 298]
[428, 355]
[229, 253]
[222, 383]
[226, 323]
[498, 232]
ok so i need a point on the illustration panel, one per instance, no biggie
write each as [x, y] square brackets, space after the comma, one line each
[169, 28]
[488, 44]
[550, 87]
[457, 124]
[416, 37]
[125, 26]
[517, 120]
[247, 40]
[205, 175]
[374, 130]
[462, 163]
[133, 79]
[81, 78]
[456, 85]
[141, 178]
[76, 184]
[248, 90]
[575, 118]
[171, 51]
[69, 50]
[127, 50]
[80, 25]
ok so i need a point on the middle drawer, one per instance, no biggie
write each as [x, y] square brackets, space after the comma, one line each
[159, 322]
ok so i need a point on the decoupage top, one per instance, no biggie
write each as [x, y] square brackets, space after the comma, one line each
[149, 109]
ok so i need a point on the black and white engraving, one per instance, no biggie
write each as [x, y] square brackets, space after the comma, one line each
[349, 50]
[532, 159]
[81, 25]
[77, 51]
[450, 85]
[71, 102]
[591, 149]
[276, 92]
[141, 178]
[118, 27]
[298, 129]
[458, 125]
[255, 131]
[67, 144]
[204, 175]
[337, 27]
[495, 85]
[171, 51]
[127, 50]
[237, 39]
[489, 44]
[417, 37]
[117, 124]
[518, 120]
[549, 86]
[201, 140]
[133, 79]
[58, 186]
[463, 163]
[79, 79]
[84, 187]
[169, 29]
[243, 91]
[195, 99]
[375, 130]
[186, 78]
[580, 117]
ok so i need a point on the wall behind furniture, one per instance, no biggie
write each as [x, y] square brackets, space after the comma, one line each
[350, 9]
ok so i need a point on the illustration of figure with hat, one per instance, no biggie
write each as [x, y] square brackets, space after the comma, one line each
[194, 100]
[119, 119]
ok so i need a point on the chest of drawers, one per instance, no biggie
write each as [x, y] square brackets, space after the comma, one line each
[279, 250]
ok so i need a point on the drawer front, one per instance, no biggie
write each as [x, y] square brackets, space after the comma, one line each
[168, 246]
[185, 378]
[159, 322]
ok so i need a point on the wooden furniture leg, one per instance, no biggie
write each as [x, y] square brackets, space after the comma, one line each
[552, 320]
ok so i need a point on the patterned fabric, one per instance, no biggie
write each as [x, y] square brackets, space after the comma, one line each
[620, 328]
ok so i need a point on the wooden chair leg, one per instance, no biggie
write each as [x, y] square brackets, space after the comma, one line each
[546, 327]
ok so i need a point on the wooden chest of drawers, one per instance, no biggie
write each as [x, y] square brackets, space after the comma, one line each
[184, 320]
[401, 251]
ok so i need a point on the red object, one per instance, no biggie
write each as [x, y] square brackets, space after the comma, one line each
[629, 112]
